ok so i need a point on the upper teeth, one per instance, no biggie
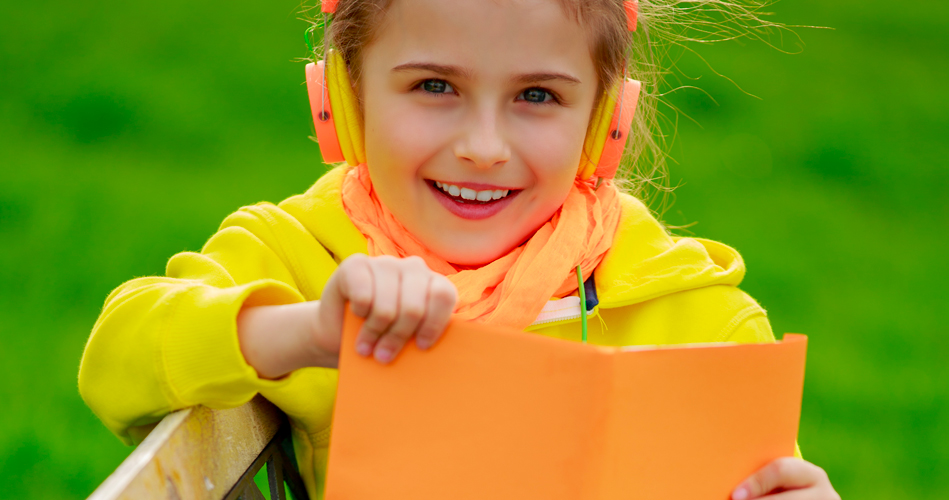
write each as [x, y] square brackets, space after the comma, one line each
[471, 194]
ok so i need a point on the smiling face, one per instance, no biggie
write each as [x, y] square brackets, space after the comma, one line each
[475, 115]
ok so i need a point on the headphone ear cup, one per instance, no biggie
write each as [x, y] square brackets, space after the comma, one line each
[348, 127]
[323, 121]
[596, 135]
[622, 119]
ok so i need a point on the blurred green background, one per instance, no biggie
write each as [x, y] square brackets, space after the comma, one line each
[129, 131]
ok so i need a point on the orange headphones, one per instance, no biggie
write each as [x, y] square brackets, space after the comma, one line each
[340, 134]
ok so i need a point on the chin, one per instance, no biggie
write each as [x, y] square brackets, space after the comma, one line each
[468, 257]
[472, 260]
[471, 254]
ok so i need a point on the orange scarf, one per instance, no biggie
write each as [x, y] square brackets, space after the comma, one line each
[511, 290]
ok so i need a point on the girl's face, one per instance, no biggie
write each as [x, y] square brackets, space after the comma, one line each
[475, 114]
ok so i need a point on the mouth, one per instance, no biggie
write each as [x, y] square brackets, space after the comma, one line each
[472, 201]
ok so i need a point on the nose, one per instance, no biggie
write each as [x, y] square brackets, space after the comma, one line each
[482, 142]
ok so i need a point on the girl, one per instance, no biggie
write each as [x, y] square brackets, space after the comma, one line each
[474, 190]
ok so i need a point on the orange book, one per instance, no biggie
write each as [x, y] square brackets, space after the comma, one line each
[503, 414]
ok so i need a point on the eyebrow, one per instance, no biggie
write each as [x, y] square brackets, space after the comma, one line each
[441, 69]
[456, 71]
[546, 77]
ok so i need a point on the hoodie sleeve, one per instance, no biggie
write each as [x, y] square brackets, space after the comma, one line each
[165, 343]
[749, 326]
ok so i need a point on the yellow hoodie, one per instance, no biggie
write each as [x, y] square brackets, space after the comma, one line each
[165, 343]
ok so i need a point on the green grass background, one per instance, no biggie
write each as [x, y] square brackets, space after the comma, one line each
[129, 131]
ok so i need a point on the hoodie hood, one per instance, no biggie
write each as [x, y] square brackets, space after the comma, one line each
[645, 262]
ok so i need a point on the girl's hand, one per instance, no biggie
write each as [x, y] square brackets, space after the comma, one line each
[787, 479]
[400, 298]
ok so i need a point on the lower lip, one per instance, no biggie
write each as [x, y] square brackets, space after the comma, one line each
[471, 211]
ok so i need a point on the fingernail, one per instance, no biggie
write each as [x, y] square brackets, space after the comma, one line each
[423, 344]
[740, 494]
[364, 348]
[384, 355]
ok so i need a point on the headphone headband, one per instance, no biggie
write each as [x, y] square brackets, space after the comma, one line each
[630, 6]
[632, 13]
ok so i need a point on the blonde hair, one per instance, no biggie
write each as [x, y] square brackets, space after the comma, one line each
[647, 55]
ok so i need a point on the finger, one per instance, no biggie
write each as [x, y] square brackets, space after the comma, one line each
[817, 492]
[351, 282]
[355, 284]
[385, 303]
[784, 473]
[413, 296]
[805, 494]
[442, 296]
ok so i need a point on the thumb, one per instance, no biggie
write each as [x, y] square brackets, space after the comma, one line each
[785, 473]
[352, 282]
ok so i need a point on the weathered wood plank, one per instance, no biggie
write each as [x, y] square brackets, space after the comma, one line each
[197, 453]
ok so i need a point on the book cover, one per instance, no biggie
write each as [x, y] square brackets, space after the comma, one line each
[495, 413]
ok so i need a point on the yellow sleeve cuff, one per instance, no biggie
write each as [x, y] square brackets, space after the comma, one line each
[200, 349]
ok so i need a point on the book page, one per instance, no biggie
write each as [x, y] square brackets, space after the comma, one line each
[486, 413]
[693, 422]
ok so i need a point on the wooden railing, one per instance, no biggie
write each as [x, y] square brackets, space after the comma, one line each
[204, 454]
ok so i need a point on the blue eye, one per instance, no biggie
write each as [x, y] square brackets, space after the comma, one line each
[436, 87]
[537, 96]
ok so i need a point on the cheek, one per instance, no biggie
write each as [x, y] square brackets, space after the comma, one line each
[552, 150]
[400, 136]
